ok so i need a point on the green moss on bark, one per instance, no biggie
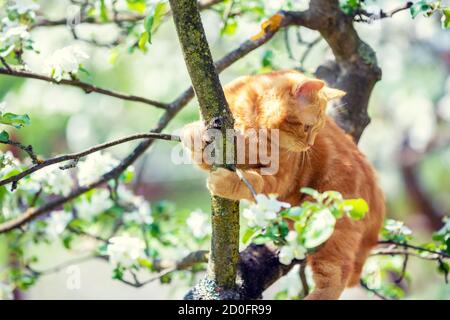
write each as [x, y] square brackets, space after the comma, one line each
[213, 105]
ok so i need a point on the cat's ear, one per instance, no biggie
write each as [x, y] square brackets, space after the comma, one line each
[307, 88]
[332, 94]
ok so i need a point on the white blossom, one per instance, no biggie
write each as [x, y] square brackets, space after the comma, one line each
[261, 213]
[57, 223]
[125, 250]
[95, 165]
[53, 180]
[65, 60]
[7, 163]
[292, 282]
[98, 202]
[11, 36]
[6, 291]
[198, 223]
[24, 6]
[372, 274]
[142, 214]
[9, 208]
[292, 250]
[397, 227]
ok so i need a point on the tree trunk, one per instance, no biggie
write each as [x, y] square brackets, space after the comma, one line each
[216, 114]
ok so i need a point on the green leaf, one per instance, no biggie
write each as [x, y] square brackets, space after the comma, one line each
[349, 6]
[127, 176]
[118, 273]
[229, 28]
[137, 5]
[4, 136]
[103, 11]
[261, 239]
[113, 56]
[293, 213]
[67, 241]
[267, 59]
[444, 267]
[145, 263]
[154, 19]
[420, 7]
[143, 41]
[248, 234]
[282, 295]
[445, 18]
[15, 120]
[355, 208]
[319, 229]
[311, 192]
[158, 14]
[299, 227]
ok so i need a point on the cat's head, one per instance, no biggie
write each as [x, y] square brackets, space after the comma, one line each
[301, 111]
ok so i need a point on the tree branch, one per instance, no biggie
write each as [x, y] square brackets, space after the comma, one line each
[28, 149]
[117, 19]
[214, 109]
[39, 164]
[86, 87]
[370, 16]
[355, 69]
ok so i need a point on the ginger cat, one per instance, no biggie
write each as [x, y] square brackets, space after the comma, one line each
[313, 152]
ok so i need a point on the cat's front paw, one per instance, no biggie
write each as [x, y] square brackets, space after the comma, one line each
[193, 136]
[222, 182]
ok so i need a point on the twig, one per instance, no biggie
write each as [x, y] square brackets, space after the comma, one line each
[28, 149]
[6, 64]
[247, 183]
[374, 291]
[287, 44]
[86, 234]
[404, 266]
[381, 15]
[303, 279]
[309, 47]
[62, 265]
[407, 245]
[86, 87]
[35, 197]
[167, 267]
[118, 19]
[76, 156]
[390, 252]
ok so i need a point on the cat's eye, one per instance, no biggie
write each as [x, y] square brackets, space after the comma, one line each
[307, 128]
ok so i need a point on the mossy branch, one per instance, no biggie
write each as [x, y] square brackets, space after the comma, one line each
[215, 112]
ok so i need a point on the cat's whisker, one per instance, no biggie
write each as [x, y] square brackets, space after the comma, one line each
[303, 159]
[309, 157]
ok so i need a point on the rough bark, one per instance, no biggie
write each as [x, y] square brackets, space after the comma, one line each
[215, 112]
[354, 70]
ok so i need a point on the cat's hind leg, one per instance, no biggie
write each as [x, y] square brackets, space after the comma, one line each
[333, 265]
